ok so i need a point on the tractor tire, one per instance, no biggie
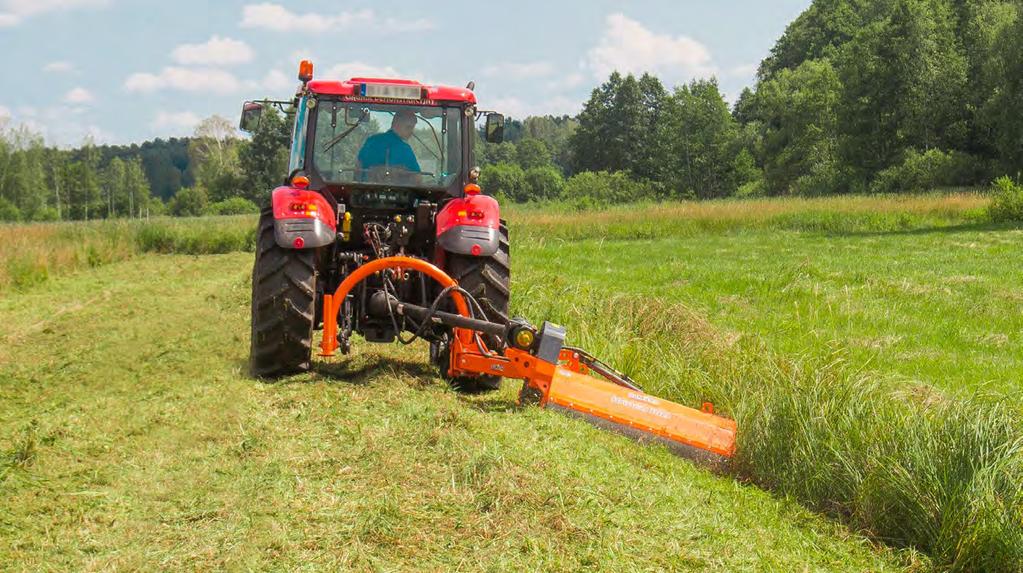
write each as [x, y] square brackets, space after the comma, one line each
[488, 280]
[283, 305]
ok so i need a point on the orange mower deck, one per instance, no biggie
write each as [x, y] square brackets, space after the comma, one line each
[556, 377]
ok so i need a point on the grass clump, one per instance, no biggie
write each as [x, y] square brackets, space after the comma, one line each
[200, 236]
[1007, 204]
[902, 464]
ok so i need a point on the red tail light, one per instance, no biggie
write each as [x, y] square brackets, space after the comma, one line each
[302, 207]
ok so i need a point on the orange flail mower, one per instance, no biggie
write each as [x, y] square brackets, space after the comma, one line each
[381, 229]
[554, 376]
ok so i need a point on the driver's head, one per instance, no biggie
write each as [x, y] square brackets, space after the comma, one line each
[404, 123]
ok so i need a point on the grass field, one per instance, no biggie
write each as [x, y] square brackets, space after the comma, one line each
[938, 307]
[864, 345]
[134, 440]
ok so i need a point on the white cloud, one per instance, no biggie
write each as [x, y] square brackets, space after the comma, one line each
[5, 113]
[62, 125]
[348, 70]
[79, 95]
[572, 81]
[184, 79]
[519, 71]
[59, 67]
[276, 81]
[301, 54]
[175, 121]
[98, 135]
[397, 25]
[14, 12]
[519, 109]
[566, 82]
[628, 47]
[745, 71]
[216, 51]
[276, 17]
[211, 80]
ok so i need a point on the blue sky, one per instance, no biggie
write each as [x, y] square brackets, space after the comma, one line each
[130, 70]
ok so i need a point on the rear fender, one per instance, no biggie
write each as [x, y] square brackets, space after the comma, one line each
[303, 219]
[470, 225]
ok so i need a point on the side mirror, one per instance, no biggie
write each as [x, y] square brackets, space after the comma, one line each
[494, 128]
[251, 113]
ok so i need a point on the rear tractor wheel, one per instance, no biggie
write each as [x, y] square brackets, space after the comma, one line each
[488, 280]
[283, 305]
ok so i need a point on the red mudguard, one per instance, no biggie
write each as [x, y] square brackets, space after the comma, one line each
[470, 225]
[303, 219]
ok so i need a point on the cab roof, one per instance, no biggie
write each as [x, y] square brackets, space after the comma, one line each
[354, 88]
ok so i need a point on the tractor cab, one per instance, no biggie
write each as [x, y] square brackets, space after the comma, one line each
[382, 143]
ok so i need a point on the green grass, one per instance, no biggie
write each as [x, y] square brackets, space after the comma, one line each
[873, 368]
[940, 308]
[33, 253]
[868, 347]
[132, 440]
[901, 464]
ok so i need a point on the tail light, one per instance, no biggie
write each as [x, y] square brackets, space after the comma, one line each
[303, 208]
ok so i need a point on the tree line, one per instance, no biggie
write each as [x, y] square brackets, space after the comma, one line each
[857, 96]
[45, 184]
[212, 172]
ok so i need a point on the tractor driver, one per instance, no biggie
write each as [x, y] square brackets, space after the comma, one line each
[384, 151]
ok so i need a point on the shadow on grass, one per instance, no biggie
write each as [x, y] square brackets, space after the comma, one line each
[977, 227]
[489, 402]
[357, 371]
[363, 371]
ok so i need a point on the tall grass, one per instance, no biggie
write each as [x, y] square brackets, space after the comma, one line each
[842, 214]
[907, 467]
[32, 253]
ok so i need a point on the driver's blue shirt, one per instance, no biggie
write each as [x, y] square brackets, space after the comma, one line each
[387, 148]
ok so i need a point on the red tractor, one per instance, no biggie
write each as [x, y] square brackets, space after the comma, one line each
[378, 168]
[381, 230]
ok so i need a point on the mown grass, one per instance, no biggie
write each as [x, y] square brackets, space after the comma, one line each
[937, 307]
[133, 440]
